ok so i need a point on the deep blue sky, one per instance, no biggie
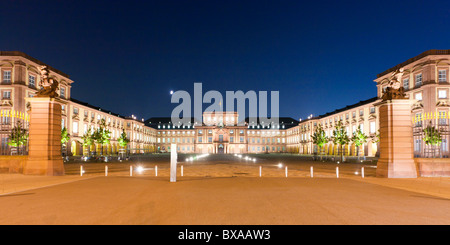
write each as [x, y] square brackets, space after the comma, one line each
[125, 56]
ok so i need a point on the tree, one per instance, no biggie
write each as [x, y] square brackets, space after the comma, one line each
[65, 137]
[319, 138]
[102, 135]
[432, 137]
[359, 138]
[88, 139]
[123, 141]
[18, 136]
[340, 137]
[376, 138]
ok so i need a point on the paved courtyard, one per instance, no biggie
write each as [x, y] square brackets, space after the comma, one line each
[223, 191]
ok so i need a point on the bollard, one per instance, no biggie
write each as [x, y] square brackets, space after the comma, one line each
[260, 170]
[337, 172]
[286, 171]
[81, 170]
[181, 170]
[131, 170]
[156, 170]
[362, 172]
[311, 171]
[106, 170]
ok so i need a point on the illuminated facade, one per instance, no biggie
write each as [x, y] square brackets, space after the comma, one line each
[222, 134]
[424, 77]
[20, 78]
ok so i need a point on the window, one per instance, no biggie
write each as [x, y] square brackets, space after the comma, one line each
[7, 76]
[63, 93]
[406, 83]
[419, 119]
[419, 80]
[442, 94]
[75, 110]
[442, 118]
[241, 139]
[361, 113]
[418, 96]
[209, 139]
[231, 139]
[372, 109]
[6, 94]
[354, 114]
[372, 127]
[75, 127]
[442, 75]
[32, 81]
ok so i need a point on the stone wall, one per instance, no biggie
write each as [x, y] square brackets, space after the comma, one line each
[12, 164]
[433, 167]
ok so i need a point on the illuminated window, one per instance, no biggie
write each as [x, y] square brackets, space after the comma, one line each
[418, 96]
[442, 94]
[372, 127]
[75, 127]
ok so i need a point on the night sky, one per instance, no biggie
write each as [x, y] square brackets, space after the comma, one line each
[125, 56]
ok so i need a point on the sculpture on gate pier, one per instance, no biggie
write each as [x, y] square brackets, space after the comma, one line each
[49, 85]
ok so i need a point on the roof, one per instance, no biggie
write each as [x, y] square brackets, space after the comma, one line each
[22, 54]
[155, 121]
[418, 57]
[95, 107]
[360, 103]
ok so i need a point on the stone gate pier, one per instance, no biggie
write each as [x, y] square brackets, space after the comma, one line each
[44, 155]
[396, 140]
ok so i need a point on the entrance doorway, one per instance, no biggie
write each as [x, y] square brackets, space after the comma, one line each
[220, 149]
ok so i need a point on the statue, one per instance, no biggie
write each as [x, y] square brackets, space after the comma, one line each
[49, 85]
[394, 90]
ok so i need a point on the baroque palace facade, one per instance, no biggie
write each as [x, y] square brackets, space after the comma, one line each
[424, 78]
